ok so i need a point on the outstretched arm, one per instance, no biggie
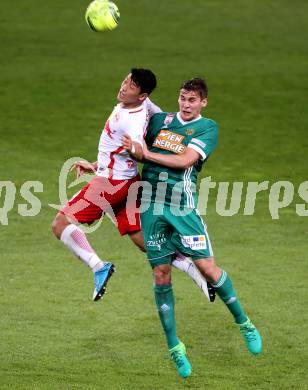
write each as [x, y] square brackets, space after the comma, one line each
[83, 166]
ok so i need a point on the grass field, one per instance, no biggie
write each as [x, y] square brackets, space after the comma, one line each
[58, 81]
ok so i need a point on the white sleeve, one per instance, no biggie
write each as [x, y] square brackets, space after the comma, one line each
[135, 127]
[152, 108]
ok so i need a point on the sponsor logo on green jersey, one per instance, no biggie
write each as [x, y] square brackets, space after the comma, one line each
[168, 140]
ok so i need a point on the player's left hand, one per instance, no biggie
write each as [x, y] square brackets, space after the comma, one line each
[127, 142]
[134, 148]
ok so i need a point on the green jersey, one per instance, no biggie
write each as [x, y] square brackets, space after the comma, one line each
[169, 134]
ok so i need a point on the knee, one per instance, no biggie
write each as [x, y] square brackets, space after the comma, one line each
[209, 269]
[58, 225]
[162, 274]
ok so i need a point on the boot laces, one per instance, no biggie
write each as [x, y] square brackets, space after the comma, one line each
[249, 332]
[178, 358]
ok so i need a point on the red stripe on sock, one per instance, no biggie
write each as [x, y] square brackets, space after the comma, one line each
[81, 240]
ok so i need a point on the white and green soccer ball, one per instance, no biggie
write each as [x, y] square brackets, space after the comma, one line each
[102, 15]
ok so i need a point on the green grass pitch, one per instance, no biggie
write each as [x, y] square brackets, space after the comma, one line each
[58, 81]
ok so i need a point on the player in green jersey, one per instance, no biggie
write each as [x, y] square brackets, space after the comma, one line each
[178, 145]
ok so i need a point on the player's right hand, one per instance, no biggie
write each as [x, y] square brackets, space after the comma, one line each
[83, 167]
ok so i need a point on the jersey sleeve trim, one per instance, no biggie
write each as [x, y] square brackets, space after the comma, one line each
[198, 149]
[198, 142]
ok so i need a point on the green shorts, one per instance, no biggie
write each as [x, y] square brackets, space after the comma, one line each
[166, 234]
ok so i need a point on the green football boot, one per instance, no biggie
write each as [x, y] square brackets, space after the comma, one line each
[251, 336]
[182, 364]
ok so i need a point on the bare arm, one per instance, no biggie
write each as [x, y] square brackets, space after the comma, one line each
[134, 148]
[83, 167]
[176, 161]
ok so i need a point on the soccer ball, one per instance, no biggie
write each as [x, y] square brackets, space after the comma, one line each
[102, 15]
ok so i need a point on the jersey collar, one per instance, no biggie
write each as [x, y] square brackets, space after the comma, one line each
[131, 109]
[178, 115]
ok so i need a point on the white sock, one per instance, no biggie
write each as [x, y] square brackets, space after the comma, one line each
[76, 241]
[186, 265]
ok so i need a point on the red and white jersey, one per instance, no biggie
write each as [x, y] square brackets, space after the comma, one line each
[114, 162]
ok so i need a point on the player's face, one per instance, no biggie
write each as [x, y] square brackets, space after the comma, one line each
[129, 94]
[190, 104]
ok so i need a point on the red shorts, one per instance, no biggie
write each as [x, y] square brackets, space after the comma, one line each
[102, 195]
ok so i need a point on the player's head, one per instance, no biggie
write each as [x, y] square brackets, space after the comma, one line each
[136, 87]
[145, 79]
[192, 98]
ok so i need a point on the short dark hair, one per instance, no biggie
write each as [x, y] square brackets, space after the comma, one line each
[145, 79]
[198, 85]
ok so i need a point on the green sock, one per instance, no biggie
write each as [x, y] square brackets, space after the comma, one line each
[227, 294]
[165, 306]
